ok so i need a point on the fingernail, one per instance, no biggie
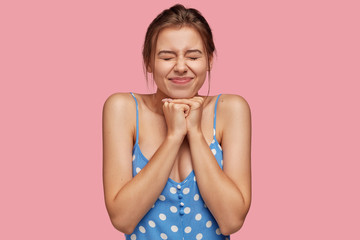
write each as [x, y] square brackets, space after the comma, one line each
[166, 99]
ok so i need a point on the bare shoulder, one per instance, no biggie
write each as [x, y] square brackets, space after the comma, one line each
[120, 106]
[232, 104]
[120, 103]
[119, 100]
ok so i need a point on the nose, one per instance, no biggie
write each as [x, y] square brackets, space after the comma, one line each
[180, 66]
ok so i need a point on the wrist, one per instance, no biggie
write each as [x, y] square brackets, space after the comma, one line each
[176, 138]
[194, 134]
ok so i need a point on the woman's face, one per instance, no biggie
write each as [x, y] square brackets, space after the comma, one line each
[180, 64]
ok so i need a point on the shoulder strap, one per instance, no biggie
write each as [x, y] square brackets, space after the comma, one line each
[217, 99]
[137, 119]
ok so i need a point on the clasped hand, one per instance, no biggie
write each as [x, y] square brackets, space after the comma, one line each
[183, 115]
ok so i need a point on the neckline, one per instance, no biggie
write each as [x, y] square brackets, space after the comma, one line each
[214, 142]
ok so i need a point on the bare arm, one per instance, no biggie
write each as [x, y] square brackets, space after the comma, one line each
[227, 193]
[120, 188]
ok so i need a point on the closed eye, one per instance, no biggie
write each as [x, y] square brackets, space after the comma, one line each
[193, 58]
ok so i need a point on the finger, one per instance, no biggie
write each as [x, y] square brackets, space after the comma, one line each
[181, 107]
[166, 100]
[187, 110]
[196, 98]
[201, 99]
[194, 104]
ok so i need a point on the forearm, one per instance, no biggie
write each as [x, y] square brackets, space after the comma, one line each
[137, 196]
[221, 195]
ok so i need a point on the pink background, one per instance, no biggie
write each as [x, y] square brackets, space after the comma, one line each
[297, 63]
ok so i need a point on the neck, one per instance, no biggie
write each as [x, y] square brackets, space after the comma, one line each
[156, 103]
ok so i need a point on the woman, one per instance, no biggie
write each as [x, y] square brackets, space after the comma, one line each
[177, 164]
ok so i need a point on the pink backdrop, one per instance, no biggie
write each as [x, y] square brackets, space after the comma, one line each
[296, 62]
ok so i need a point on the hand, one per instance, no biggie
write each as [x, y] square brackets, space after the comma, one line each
[194, 114]
[175, 115]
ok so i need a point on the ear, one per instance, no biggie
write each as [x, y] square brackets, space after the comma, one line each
[149, 69]
[210, 62]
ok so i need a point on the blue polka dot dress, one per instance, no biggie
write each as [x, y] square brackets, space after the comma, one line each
[179, 213]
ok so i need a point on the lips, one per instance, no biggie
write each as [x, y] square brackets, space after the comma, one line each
[181, 80]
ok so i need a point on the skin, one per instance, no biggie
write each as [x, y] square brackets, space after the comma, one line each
[176, 129]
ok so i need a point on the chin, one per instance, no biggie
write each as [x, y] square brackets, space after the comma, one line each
[182, 95]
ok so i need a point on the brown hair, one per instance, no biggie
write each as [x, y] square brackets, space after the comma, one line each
[177, 16]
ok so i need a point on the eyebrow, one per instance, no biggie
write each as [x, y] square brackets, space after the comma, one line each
[172, 52]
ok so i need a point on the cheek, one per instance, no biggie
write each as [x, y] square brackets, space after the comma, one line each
[199, 67]
[163, 67]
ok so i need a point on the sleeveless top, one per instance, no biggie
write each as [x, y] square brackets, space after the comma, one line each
[180, 212]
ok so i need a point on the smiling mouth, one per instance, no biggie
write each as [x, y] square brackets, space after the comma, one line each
[182, 80]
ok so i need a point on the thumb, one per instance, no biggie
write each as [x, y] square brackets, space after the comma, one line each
[187, 110]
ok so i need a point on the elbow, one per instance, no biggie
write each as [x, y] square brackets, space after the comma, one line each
[120, 219]
[235, 222]
[231, 227]
[122, 225]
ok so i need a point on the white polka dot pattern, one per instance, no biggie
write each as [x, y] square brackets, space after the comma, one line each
[173, 190]
[173, 209]
[179, 212]
[174, 228]
[208, 224]
[142, 229]
[213, 151]
[187, 210]
[186, 190]
[162, 216]
[196, 197]
[152, 224]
